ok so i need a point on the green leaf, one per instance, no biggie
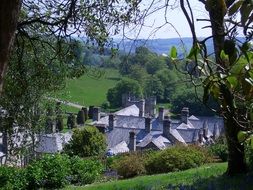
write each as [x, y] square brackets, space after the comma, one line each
[173, 52]
[251, 141]
[242, 136]
[232, 81]
[234, 8]
[194, 51]
[223, 55]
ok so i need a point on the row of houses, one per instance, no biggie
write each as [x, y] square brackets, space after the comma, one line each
[126, 130]
[135, 127]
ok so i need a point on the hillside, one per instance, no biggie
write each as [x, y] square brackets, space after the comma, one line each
[160, 46]
[88, 90]
[205, 177]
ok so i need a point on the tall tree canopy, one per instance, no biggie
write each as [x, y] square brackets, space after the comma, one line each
[44, 21]
[228, 76]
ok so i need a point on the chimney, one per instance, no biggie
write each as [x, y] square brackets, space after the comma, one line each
[141, 107]
[166, 127]
[96, 114]
[185, 115]
[90, 112]
[148, 124]
[85, 111]
[161, 114]
[111, 121]
[132, 141]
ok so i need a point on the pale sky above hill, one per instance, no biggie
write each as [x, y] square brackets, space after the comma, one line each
[176, 18]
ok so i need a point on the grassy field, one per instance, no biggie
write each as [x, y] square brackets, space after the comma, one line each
[206, 177]
[88, 90]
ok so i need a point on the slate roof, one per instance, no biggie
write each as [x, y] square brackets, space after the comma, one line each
[131, 111]
[52, 143]
[189, 135]
[119, 148]
[128, 119]
[160, 142]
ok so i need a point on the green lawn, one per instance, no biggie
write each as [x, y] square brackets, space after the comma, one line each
[205, 177]
[88, 90]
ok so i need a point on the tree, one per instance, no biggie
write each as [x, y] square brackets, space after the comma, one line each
[86, 142]
[80, 117]
[153, 87]
[227, 78]
[125, 86]
[57, 20]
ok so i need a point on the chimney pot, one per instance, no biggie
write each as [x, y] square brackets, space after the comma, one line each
[148, 124]
[185, 115]
[166, 127]
[161, 113]
[132, 141]
[96, 114]
[111, 121]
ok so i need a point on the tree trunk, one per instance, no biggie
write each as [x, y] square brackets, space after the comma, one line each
[9, 12]
[236, 155]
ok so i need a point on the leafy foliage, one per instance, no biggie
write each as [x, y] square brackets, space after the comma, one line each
[129, 165]
[51, 171]
[85, 171]
[114, 95]
[220, 149]
[175, 159]
[12, 178]
[85, 142]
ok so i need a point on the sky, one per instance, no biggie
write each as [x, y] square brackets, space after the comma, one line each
[176, 18]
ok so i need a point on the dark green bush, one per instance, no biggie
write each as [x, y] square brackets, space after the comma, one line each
[86, 142]
[59, 123]
[12, 178]
[80, 117]
[220, 149]
[129, 165]
[51, 171]
[85, 171]
[176, 158]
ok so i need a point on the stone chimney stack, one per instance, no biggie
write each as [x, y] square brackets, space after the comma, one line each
[141, 108]
[111, 121]
[132, 141]
[96, 114]
[185, 115]
[166, 127]
[161, 114]
[148, 124]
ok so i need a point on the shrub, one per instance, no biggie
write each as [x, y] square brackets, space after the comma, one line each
[71, 122]
[51, 171]
[80, 117]
[85, 171]
[176, 158]
[129, 165]
[12, 178]
[59, 123]
[220, 149]
[86, 142]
